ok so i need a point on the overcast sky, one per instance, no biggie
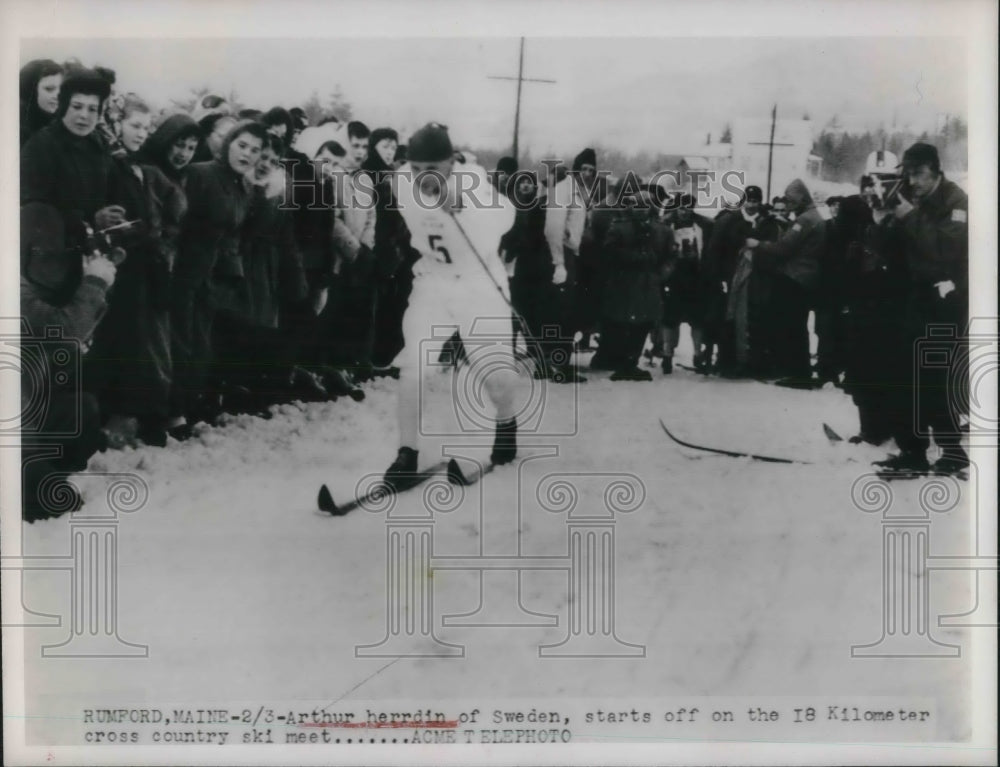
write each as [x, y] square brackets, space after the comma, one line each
[637, 93]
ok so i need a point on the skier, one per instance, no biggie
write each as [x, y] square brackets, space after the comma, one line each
[456, 220]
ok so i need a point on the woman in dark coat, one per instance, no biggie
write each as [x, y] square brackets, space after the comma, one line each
[394, 258]
[208, 254]
[129, 366]
[254, 359]
[65, 165]
[636, 250]
[39, 90]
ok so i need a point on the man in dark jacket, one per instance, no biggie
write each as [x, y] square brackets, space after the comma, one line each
[689, 289]
[525, 250]
[794, 261]
[930, 223]
[874, 285]
[63, 298]
[635, 248]
[771, 224]
[722, 257]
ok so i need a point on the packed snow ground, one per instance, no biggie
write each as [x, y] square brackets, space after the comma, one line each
[740, 578]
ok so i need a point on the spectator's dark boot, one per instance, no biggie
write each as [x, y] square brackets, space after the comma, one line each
[952, 463]
[180, 430]
[307, 386]
[151, 432]
[46, 494]
[632, 374]
[339, 382]
[505, 442]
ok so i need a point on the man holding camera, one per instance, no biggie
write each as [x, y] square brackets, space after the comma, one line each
[63, 298]
[929, 226]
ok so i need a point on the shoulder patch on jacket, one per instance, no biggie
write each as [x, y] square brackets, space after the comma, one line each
[960, 216]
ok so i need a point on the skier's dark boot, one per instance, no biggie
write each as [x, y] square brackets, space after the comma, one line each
[902, 466]
[505, 442]
[667, 366]
[403, 468]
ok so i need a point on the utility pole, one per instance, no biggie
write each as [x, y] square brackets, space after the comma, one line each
[770, 149]
[517, 108]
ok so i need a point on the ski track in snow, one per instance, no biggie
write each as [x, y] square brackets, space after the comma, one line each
[740, 578]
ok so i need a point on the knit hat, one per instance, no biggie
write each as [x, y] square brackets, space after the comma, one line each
[797, 195]
[917, 156]
[430, 144]
[587, 157]
[754, 194]
[507, 165]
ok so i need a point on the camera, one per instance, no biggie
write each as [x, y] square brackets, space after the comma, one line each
[472, 363]
[49, 365]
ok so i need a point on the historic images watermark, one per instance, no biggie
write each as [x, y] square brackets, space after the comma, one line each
[964, 363]
[324, 185]
[908, 559]
[592, 503]
[92, 565]
[42, 426]
[481, 365]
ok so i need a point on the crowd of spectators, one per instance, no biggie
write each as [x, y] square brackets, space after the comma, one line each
[216, 262]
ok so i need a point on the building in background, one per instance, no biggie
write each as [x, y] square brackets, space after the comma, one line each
[792, 158]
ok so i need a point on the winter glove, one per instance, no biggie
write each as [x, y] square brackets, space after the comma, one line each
[559, 275]
[100, 267]
[944, 287]
[904, 207]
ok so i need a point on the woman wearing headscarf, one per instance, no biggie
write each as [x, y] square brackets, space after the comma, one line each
[39, 89]
[130, 367]
[208, 254]
[214, 129]
[172, 146]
